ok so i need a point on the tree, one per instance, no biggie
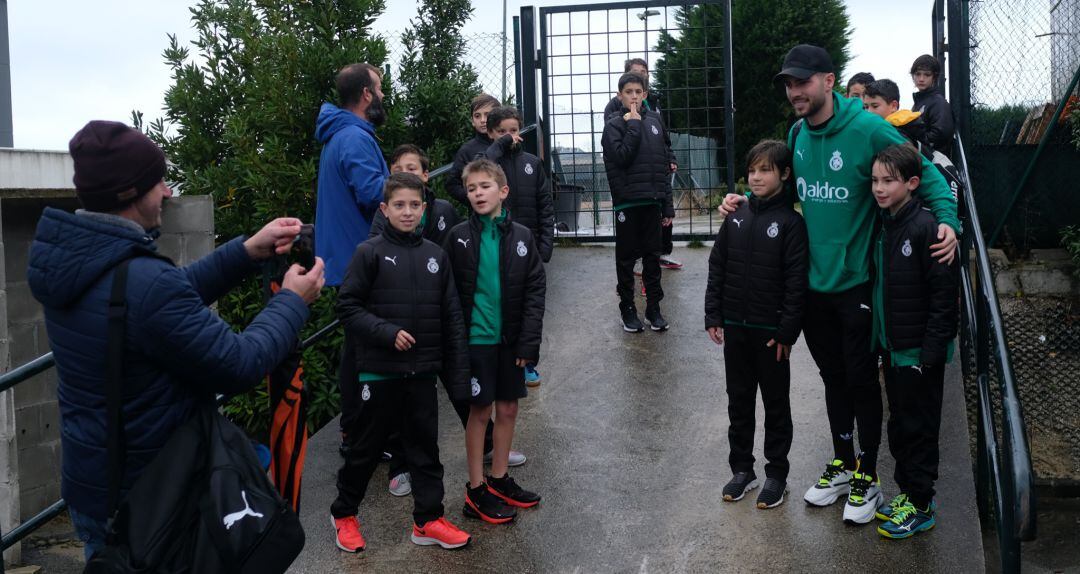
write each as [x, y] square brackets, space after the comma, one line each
[239, 125]
[690, 74]
[436, 85]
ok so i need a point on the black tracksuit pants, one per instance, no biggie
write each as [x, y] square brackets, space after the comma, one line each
[838, 332]
[638, 236]
[393, 446]
[667, 244]
[914, 424]
[412, 406]
[750, 364]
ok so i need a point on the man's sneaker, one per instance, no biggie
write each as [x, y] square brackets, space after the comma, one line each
[887, 510]
[532, 376]
[864, 496]
[908, 521]
[668, 263]
[739, 485]
[510, 493]
[516, 458]
[440, 531]
[655, 319]
[831, 486]
[772, 494]
[481, 503]
[348, 536]
[400, 485]
[630, 321]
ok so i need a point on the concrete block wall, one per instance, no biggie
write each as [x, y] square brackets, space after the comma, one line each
[187, 234]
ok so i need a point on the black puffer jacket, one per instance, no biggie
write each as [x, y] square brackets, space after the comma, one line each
[758, 269]
[441, 218]
[399, 281]
[636, 160]
[468, 151]
[937, 115]
[615, 107]
[530, 201]
[920, 293]
[523, 281]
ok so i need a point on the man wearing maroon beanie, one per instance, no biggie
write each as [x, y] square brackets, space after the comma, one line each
[177, 354]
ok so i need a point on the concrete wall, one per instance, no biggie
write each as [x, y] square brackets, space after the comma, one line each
[30, 181]
[9, 453]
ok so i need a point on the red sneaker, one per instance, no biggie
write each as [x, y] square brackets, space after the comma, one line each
[441, 532]
[348, 536]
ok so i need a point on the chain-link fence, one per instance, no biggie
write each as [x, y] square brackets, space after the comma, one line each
[1024, 55]
[490, 55]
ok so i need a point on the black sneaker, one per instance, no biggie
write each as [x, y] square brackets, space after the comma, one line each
[655, 319]
[630, 321]
[739, 485]
[481, 503]
[343, 449]
[772, 494]
[512, 494]
[386, 457]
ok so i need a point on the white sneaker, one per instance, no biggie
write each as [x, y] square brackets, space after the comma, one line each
[515, 459]
[401, 485]
[864, 497]
[831, 486]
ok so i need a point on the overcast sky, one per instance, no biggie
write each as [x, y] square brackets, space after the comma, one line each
[76, 61]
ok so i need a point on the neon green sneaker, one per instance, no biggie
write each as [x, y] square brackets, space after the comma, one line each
[885, 511]
[831, 486]
[908, 521]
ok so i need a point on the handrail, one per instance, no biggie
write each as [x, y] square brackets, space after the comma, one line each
[46, 361]
[1003, 475]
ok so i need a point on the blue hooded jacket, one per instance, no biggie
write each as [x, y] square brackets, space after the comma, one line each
[178, 352]
[351, 176]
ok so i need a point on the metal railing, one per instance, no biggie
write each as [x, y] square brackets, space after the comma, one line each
[1003, 476]
[46, 362]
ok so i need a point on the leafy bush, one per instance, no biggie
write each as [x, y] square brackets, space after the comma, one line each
[1070, 239]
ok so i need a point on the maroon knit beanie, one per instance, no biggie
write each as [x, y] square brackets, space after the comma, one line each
[114, 165]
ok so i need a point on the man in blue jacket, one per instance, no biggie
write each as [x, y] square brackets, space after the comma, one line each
[351, 176]
[178, 353]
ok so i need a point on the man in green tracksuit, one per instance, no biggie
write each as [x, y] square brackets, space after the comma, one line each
[833, 145]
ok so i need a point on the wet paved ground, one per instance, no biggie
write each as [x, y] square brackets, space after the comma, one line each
[626, 441]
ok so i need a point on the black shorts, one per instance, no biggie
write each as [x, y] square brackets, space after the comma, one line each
[495, 376]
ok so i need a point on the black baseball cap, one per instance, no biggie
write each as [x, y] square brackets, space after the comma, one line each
[804, 61]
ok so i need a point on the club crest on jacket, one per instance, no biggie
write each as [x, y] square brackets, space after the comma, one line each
[522, 251]
[432, 265]
[837, 162]
[475, 387]
[773, 230]
[442, 223]
[655, 131]
[528, 169]
[365, 394]
[906, 249]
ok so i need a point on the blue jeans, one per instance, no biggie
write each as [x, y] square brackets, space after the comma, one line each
[90, 530]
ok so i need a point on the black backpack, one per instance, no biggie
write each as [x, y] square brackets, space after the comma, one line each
[203, 505]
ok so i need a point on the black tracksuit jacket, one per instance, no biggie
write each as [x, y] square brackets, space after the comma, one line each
[440, 219]
[920, 293]
[758, 269]
[615, 107]
[470, 150]
[401, 281]
[522, 281]
[530, 202]
[636, 159]
[937, 115]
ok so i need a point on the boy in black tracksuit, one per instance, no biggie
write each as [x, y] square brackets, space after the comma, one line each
[915, 321]
[501, 282]
[935, 109]
[399, 303]
[754, 307]
[479, 108]
[636, 161]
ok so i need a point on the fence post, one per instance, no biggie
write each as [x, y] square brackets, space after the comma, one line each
[528, 76]
[729, 102]
[9, 452]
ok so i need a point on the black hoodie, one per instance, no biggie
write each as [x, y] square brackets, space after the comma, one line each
[937, 115]
[470, 150]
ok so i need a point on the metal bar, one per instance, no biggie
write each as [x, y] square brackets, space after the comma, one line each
[443, 169]
[25, 371]
[518, 69]
[7, 137]
[1035, 159]
[621, 6]
[544, 110]
[729, 100]
[503, 98]
[528, 73]
[37, 521]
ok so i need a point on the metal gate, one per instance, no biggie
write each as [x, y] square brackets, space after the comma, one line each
[581, 54]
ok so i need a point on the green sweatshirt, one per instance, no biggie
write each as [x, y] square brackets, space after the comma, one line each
[832, 177]
[486, 327]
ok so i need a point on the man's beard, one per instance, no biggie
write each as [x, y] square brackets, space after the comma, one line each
[376, 113]
[814, 105]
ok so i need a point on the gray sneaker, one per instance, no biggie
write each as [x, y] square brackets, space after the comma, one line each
[515, 459]
[401, 485]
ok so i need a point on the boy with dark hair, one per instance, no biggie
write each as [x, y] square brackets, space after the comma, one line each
[479, 108]
[650, 102]
[439, 217]
[399, 304]
[754, 306]
[856, 86]
[929, 100]
[637, 163]
[915, 296]
[530, 200]
[501, 282]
